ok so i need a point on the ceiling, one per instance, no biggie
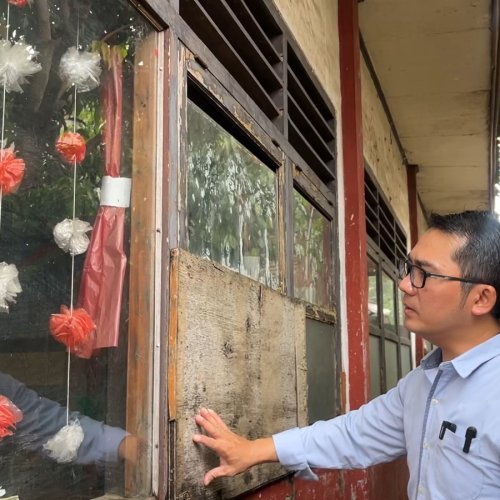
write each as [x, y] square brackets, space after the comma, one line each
[433, 60]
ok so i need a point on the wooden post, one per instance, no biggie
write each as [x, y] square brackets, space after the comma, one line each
[411, 175]
[355, 231]
[142, 249]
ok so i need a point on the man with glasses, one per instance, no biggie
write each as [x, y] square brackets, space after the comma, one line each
[444, 415]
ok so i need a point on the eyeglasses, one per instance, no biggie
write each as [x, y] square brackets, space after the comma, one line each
[418, 276]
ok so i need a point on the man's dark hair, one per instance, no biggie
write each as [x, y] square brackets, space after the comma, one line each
[479, 256]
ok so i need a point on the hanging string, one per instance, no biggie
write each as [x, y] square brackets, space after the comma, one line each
[71, 305]
[3, 107]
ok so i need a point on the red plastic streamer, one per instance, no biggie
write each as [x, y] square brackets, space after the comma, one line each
[105, 262]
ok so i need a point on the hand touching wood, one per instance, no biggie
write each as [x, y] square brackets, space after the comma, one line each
[236, 453]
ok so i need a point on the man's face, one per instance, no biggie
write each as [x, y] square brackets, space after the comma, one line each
[437, 310]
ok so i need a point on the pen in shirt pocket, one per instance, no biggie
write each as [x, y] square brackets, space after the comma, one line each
[447, 426]
[470, 433]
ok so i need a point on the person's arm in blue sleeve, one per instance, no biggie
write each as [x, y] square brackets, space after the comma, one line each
[373, 434]
[43, 418]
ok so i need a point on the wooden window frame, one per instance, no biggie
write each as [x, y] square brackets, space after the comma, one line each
[289, 177]
[378, 208]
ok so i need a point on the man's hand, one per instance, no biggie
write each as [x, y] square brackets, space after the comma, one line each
[128, 449]
[236, 453]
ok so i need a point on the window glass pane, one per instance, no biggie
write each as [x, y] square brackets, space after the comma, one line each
[405, 360]
[389, 306]
[231, 201]
[391, 364]
[375, 366]
[403, 332]
[373, 313]
[312, 257]
[321, 379]
[95, 94]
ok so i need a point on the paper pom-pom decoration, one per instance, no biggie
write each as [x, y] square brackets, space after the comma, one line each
[63, 446]
[70, 236]
[19, 3]
[71, 328]
[16, 63]
[10, 415]
[81, 69]
[72, 147]
[9, 285]
[11, 170]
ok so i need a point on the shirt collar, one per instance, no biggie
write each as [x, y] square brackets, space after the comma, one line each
[467, 362]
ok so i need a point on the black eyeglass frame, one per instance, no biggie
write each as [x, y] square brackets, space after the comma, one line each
[405, 268]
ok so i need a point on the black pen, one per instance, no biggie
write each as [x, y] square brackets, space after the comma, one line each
[446, 425]
[470, 434]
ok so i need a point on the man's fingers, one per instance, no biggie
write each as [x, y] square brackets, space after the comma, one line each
[221, 471]
[215, 418]
[207, 425]
[205, 440]
[211, 422]
[212, 417]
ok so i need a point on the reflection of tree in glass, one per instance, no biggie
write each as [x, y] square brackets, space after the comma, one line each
[35, 118]
[311, 268]
[231, 201]
[372, 294]
[388, 298]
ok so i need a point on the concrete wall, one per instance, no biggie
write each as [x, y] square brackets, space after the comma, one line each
[381, 150]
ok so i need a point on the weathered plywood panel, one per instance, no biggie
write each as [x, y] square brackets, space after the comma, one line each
[240, 350]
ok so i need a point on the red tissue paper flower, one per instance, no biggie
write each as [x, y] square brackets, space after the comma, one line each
[72, 147]
[71, 327]
[11, 170]
[18, 3]
[10, 415]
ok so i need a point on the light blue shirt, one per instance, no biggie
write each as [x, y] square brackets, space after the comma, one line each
[407, 421]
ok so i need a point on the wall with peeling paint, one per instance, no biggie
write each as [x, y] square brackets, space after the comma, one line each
[381, 150]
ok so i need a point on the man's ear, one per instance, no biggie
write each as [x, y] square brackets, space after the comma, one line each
[484, 298]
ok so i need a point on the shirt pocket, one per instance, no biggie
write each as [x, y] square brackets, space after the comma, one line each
[457, 475]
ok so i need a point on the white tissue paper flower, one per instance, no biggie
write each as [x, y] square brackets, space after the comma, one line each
[16, 63]
[2, 491]
[81, 69]
[9, 285]
[70, 236]
[63, 446]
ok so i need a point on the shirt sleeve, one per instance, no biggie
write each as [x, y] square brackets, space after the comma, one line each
[42, 418]
[371, 435]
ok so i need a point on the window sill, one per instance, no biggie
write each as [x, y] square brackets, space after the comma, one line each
[105, 497]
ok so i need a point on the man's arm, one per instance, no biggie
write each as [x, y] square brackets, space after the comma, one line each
[373, 434]
[43, 418]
